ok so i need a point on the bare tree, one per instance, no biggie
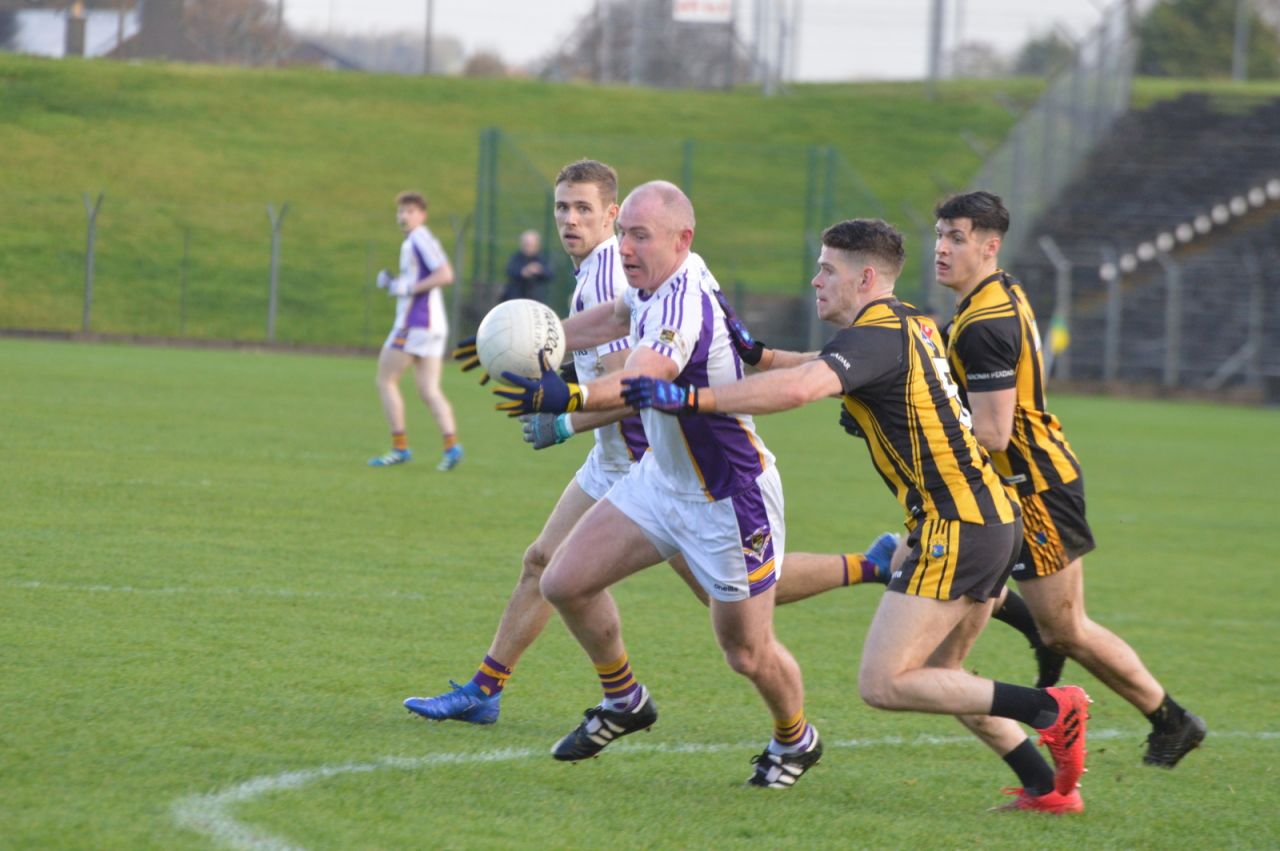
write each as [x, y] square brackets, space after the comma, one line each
[246, 32]
[484, 64]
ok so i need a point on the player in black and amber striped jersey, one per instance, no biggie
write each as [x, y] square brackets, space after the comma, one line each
[994, 350]
[889, 365]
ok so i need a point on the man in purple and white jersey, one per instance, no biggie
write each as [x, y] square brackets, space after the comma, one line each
[586, 208]
[706, 489]
[418, 335]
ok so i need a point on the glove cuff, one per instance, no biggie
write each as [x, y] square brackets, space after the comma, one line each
[752, 356]
[564, 428]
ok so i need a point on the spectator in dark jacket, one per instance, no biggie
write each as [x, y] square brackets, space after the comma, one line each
[527, 270]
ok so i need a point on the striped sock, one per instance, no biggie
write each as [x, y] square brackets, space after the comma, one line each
[620, 687]
[791, 735]
[491, 677]
[858, 569]
[399, 441]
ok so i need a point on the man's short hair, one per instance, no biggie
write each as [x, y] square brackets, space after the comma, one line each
[412, 199]
[875, 240]
[592, 171]
[985, 209]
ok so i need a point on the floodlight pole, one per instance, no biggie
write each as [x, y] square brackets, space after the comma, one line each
[91, 238]
[935, 48]
[426, 47]
[1240, 43]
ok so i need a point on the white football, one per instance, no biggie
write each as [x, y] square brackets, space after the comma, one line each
[513, 333]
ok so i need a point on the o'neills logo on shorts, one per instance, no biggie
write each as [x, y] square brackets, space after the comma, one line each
[836, 356]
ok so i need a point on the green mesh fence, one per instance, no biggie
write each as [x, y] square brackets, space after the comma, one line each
[760, 207]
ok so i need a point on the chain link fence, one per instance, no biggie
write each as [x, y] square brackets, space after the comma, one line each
[276, 272]
[760, 210]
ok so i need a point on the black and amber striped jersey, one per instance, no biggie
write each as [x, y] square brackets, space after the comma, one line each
[893, 373]
[993, 344]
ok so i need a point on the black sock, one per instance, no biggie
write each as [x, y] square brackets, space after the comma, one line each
[1015, 613]
[1029, 705]
[1168, 716]
[1033, 772]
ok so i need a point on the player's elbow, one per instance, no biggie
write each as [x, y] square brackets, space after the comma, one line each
[992, 439]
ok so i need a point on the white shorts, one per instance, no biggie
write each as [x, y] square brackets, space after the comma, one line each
[421, 342]
[594, 479]
[734, 546]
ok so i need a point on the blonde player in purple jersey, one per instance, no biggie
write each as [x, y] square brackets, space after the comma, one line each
[585, 210]
[710, 493]
[418, 335]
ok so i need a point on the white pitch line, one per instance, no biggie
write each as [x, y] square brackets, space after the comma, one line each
[210, 814]
[417, 596]
[37, 585]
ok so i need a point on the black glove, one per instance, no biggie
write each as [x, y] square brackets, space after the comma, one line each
[465, 352]
[849, 424]
[749, 348]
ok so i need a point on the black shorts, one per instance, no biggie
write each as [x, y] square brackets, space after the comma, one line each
[1055, 532]
[950, 559]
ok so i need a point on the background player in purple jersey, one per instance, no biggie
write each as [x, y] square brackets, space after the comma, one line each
[709, 492]
[418, 335]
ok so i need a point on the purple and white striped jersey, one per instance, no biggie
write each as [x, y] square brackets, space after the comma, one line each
[598, 280]
[705, 456]
[420, 255]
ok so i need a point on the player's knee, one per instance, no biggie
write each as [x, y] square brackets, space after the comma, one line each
[535, 560]
[876, 689]
[1063, 638]
[744, 660]
[557, 589]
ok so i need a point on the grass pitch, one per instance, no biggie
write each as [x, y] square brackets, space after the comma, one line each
[210, 611]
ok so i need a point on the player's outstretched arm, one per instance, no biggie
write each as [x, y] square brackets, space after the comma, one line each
[765, 393]
[597, 325]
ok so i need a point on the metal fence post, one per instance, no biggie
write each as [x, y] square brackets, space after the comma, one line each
[1061, 307]
[491, 213]
[91, 210]
[1172, 318]
[274, 295]
[483, 187]
[1257, 306]
[686, 167]
[369, 287]
[460, 227]
[1111, 342]
[182, 297]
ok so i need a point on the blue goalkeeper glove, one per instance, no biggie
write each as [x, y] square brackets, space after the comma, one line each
[543, 430]
[549, 394]
[645, 392]
[749, 348]
[466, 355]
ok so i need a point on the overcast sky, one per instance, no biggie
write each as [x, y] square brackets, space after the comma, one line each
[839, 39]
